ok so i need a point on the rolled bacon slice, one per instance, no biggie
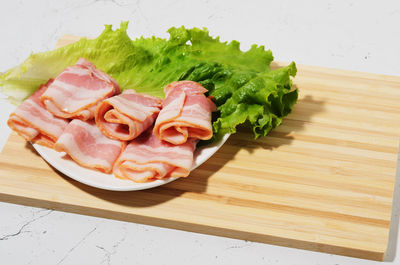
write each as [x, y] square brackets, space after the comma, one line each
[147, 158]
[84, 143]
[186, 113]
[127, 115]
[33, 122]
[77, 90]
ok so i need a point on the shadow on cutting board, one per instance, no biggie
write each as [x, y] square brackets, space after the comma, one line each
[197, 182]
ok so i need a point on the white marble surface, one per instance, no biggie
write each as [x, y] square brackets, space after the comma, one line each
[356, 35]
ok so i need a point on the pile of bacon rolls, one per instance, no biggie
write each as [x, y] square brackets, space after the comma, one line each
[83, 113]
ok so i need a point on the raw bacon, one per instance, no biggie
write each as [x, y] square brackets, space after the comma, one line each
[32, 121]
[127, 115]
[186, 113]
[77, 90]
[84, 143]
[147, 158]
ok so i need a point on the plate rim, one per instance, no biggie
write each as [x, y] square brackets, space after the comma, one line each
[55, 161]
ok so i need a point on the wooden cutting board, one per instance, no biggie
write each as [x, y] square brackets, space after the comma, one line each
[322, 181]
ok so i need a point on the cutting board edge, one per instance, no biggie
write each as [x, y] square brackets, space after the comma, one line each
[197, 228]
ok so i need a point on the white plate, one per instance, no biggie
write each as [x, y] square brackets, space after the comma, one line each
[94, 178]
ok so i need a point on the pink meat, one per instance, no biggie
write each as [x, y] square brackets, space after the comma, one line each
[77, 90]
[186, 113]
[32, 121]
[127, 115]
[84, 143]
[147, 158]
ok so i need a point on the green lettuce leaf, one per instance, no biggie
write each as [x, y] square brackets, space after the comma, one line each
[262, 101]
[111, 52]
[245, 89]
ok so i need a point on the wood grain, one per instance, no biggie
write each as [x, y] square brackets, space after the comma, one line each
[322, 181]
